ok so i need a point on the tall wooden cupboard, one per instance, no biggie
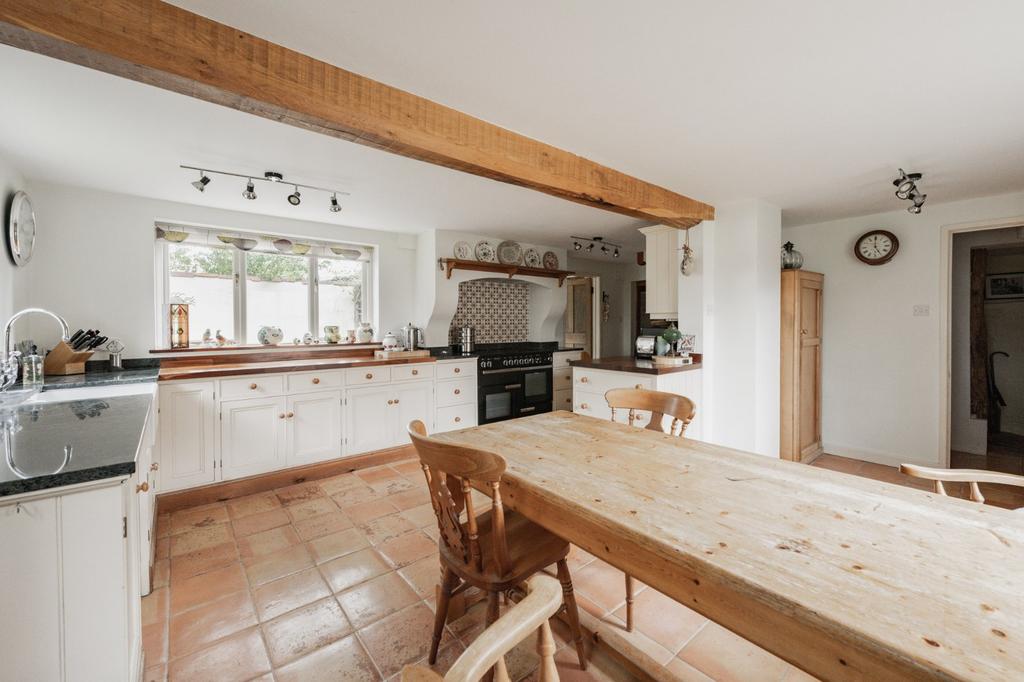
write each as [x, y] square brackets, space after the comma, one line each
[800, 432]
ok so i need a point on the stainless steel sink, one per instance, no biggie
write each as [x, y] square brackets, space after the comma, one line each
[12, 398]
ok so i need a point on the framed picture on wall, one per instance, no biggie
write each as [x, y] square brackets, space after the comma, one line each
[1004, 285]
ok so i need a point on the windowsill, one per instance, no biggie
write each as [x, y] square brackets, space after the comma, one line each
[282, 347]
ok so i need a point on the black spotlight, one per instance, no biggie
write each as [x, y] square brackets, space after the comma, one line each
[295, 198]
[590, 247]
[905, 184]
[918, 203]
[577, 246]
[250, 191]
[604, 249]
[616, 253]
[202, 182]
[335, 206]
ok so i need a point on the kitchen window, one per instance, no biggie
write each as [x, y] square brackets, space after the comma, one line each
[236, 283]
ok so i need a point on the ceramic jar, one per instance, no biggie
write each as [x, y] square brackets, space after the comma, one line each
[365, 333]
[390, 341]
[332, 334]
[270, 336]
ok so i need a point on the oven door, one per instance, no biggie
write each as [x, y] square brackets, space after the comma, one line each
[536, 392]
[500, 400]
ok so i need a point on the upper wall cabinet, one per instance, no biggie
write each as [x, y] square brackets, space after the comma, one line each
[662, 256]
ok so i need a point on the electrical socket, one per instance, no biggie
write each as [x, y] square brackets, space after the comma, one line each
[922, 310]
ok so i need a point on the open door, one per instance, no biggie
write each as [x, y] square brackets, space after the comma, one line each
[582, 325]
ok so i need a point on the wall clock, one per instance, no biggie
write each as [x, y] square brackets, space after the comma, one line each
[21, 229]
[876, 247]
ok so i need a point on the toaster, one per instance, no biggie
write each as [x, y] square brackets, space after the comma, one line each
[645, 346]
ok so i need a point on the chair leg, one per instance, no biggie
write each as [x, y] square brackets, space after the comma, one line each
[448, 580]
[629, 603]
[571, 611]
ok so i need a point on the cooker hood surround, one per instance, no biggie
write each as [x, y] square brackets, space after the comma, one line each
[437, 297]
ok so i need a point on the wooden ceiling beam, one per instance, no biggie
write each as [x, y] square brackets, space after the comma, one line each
[169, 47]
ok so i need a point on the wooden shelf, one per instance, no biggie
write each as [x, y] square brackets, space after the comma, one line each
[450, 264]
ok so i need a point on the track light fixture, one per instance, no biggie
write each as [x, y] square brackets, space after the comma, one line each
[906, 189]
[295, 198]
[607, 248]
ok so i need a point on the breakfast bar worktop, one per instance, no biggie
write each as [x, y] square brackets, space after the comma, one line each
[630, 364]
[226, 369]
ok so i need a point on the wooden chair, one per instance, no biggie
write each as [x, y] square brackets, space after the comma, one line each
[493, 552]
[543, 600]
[660, 404]
[971, 476]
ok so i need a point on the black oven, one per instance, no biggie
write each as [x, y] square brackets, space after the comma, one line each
[513, 386]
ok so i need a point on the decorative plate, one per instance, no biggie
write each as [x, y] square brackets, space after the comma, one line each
[550, 260]
[510, 253]
[463, 251]
[485, 252]
[532, 258]
[21, 229]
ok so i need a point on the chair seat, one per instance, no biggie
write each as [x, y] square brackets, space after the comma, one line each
[530, 549]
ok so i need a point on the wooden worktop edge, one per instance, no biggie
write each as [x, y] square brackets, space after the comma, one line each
[278, 367]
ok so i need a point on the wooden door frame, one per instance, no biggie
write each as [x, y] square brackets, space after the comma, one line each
[595, 311]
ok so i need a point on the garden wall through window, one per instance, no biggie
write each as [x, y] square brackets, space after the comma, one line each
[233, 288]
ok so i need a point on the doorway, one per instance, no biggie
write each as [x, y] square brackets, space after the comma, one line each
[582, 324]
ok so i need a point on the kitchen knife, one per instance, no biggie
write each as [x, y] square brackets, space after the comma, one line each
[84, 339]
[95, 342]
[74, 337]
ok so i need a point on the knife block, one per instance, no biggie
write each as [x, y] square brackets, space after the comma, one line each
[62, 360]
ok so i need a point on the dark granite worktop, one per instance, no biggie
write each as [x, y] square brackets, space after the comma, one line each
[53, 444]
[99, 373]
[628, 364]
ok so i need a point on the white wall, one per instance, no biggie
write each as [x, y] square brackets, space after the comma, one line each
[94, 261]
[882, 366]
[617, 279]
[11, 277]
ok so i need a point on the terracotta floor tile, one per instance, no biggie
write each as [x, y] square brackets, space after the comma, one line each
[354, 495]
[156, 673]
[720, 654]
[279, 564]
[260, 521]
[663, 619]
[325, 524]
[446, 657]
[337, 544]
[386, 528]
[578, 558]
[375, 474]
[341, 661]
[421, 516]
[391, 486]
[410, 498]
[433, 533]
[367, 511]
[303, 630]
[154, 606]
[423, 575]
[194, 563]
[288, 593]
[154, 642]
[410, 468]
[603, 584]
[470, 624]
[203, 625]
[335, 484]
[161, 573]
[239, 657]
[408, 548]
[206, 587]
[241, 507]
[198, 517]
[311, 508]
[376, 598]
[200, 538]
[401, 638]
[352, 569]
[300, 492]
[253, 547]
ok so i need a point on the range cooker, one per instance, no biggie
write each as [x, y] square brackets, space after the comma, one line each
[513, 380]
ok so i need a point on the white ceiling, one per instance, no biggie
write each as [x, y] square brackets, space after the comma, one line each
[806, 104]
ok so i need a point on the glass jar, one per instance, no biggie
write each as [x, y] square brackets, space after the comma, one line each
[32, 371]
[791, 258]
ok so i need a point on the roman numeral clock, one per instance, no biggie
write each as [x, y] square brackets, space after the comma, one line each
[876, 247]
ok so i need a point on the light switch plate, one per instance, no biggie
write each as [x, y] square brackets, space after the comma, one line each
[922, 310]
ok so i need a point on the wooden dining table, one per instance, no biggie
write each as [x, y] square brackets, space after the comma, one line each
[845, 577]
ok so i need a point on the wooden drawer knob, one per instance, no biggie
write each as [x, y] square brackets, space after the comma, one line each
[638, 386]
[281, 416]
[369, 375]
[253, 387]
[568, 377]
[584, 380]
[568, 400]
[316, 380]
[290, 415]
[584, 406]
[458, 419]
[396, 401]
[415, 372]
[391, 402]
[144, 488]
[458, 391]
[458, 369]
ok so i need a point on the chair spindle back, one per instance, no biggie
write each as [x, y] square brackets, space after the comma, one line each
[659, 403]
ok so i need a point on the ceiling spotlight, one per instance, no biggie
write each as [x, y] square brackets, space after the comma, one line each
[905, 184]
[202, 182]
[295, 198]
[604, 249]
[590, 247]
[335, 206]
[273, 176]
[616, 254]
[918, 203]
[577, 246]
[250, 190]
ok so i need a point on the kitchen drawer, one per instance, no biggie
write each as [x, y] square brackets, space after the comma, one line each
[456, 392]
[561, 378]
[364, 376]
[301, 382]
[597, 381]
[563, 400]
[563, 359]
[255, 386]
[456, 370]
[591, 405]
[418, 370]
[455, 417]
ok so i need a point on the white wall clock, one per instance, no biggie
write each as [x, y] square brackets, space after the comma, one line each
[21, 229]
[876, 247]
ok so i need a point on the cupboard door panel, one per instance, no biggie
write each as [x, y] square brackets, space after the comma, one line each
[415, 401]
[314, 427]
[369, 423]
[252, 436]
[187, 435]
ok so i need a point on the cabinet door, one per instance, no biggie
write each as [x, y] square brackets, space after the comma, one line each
[369, 422]
[314, 427]
[810, 313]
[30, 620]
[253, 435]
[187, 435]
[414, 401]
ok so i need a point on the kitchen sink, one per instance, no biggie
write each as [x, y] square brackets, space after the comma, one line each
[63, 395]
[12, 398]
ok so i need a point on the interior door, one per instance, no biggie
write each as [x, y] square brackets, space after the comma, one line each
[253, 436]
[369, 421]
[810, 313]
[579, 314]
[314, 427]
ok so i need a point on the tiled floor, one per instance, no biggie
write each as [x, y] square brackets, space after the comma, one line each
[335, 580]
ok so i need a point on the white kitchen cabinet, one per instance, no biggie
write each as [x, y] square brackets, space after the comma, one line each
[188, 416]
[662, 271]
[377, 418]
[590, 385]
[313, 427]
[455, 395]
[413, 401]
[253, 436]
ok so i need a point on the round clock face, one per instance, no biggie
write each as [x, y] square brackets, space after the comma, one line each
[876, 247]
[21, 229]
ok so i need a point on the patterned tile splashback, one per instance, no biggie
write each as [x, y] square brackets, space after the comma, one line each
[496, 310]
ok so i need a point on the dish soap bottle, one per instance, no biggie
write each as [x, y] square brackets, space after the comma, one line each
[32, 370]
